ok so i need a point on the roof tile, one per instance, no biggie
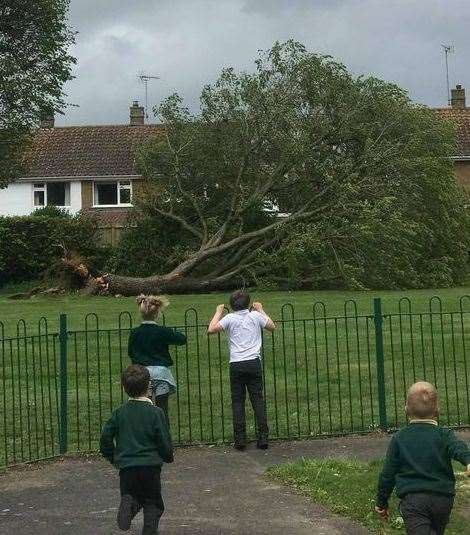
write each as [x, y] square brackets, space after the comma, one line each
[461, 116]
[86, 151]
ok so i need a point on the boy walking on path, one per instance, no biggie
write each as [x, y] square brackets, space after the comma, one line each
[243, 326]
[136, 440]
[419, 465]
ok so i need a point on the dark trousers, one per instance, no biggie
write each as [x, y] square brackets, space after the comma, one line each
[162, 402]
[144, 485]
[426, 514]
[247, 375]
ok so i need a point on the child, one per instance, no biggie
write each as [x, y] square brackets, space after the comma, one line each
[137, 441]
[419, 464]
[243, 327]
[148, 346]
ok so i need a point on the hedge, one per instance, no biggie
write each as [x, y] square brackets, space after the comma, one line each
[30, 245]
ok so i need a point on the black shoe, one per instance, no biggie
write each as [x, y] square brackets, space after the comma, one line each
[126, 512]
[262, 443]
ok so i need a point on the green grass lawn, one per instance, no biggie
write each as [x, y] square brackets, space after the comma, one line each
[320, 367]
[348, 488]
[108, 308]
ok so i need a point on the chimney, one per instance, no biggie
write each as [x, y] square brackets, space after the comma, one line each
[458, 97]
[137, 114]
[47, 121]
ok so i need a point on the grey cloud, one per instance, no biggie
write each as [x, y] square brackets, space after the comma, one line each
[187, 42]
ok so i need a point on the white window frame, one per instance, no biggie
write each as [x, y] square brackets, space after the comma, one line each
[43, 187]
[39, 186]
[120, 186]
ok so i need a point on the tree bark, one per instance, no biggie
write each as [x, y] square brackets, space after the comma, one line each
[121, 285]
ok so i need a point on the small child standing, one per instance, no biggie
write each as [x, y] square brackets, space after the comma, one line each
[419, 465]
[148, 346]
[137, 442]
[243, 326]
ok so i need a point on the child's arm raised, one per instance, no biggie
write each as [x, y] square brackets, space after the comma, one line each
[270, 325]
[214, 325]
[175, 338]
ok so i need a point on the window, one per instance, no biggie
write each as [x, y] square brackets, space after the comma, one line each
[51, 194]
[113, 193]
[39, 195]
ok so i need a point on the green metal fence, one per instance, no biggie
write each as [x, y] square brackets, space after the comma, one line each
[323, 375]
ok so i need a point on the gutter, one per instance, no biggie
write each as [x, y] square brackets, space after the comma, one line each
[75, 177]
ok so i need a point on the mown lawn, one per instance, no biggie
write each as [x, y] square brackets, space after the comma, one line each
[320, 365]
[109, 308]
[348, 488]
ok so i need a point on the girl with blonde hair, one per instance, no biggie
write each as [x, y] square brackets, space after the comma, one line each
[149, 346]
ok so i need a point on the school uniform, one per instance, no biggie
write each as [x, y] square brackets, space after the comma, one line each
[419, 466]
[149, 346]
[136, 440]
[244, 334]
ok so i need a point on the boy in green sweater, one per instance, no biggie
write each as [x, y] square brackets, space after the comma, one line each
[419, 465]
[136, 440]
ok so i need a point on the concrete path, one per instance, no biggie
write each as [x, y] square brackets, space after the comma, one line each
[208, 491]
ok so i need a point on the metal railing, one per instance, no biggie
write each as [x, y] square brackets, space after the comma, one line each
[323, 375]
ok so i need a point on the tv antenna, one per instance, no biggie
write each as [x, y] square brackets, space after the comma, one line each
[448, 49]
[145, 79]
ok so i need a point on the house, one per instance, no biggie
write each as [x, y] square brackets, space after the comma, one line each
[93, 168]
[88, 168]
[460, 114]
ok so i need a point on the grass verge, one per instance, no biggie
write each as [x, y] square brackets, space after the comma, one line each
[348, 487]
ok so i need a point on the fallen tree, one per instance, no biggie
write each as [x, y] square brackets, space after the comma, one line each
[298, 144]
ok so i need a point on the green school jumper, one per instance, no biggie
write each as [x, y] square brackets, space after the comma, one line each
[419, 459]
[136, 435]
[148, 344]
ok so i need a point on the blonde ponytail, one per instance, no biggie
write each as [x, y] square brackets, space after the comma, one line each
[151, 305]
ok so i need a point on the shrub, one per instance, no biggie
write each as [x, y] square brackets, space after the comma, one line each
[148, 246]
[30, 245]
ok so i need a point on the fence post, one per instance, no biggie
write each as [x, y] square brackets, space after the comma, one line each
[379, 352]
[63, 384]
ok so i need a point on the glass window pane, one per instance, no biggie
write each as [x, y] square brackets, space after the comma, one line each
[39, 198]
[125, 195]
[106, 193]
[58, 194]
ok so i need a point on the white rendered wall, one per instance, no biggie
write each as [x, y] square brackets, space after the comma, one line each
[17, 198]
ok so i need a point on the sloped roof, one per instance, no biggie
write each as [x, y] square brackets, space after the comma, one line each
[461, 116]
[82, 151]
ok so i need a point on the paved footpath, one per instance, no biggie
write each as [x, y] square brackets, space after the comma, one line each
[208, 491]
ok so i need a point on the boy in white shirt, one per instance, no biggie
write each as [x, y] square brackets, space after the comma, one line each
[243, 326]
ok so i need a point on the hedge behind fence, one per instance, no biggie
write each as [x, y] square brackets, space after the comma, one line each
[30, 245]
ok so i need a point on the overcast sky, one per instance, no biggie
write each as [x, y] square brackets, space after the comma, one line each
[187, 42]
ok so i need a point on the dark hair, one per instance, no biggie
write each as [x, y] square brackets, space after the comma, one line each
[135, 380]
[239, 300]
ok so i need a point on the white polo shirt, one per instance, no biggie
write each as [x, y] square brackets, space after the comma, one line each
[244, 334]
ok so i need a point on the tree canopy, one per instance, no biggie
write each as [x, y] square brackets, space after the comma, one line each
[301, 172]
[34, 65]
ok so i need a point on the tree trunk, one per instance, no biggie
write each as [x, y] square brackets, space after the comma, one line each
[121, 285]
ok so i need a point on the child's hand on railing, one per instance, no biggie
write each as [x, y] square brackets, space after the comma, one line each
[220, 309]
[257, 306]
